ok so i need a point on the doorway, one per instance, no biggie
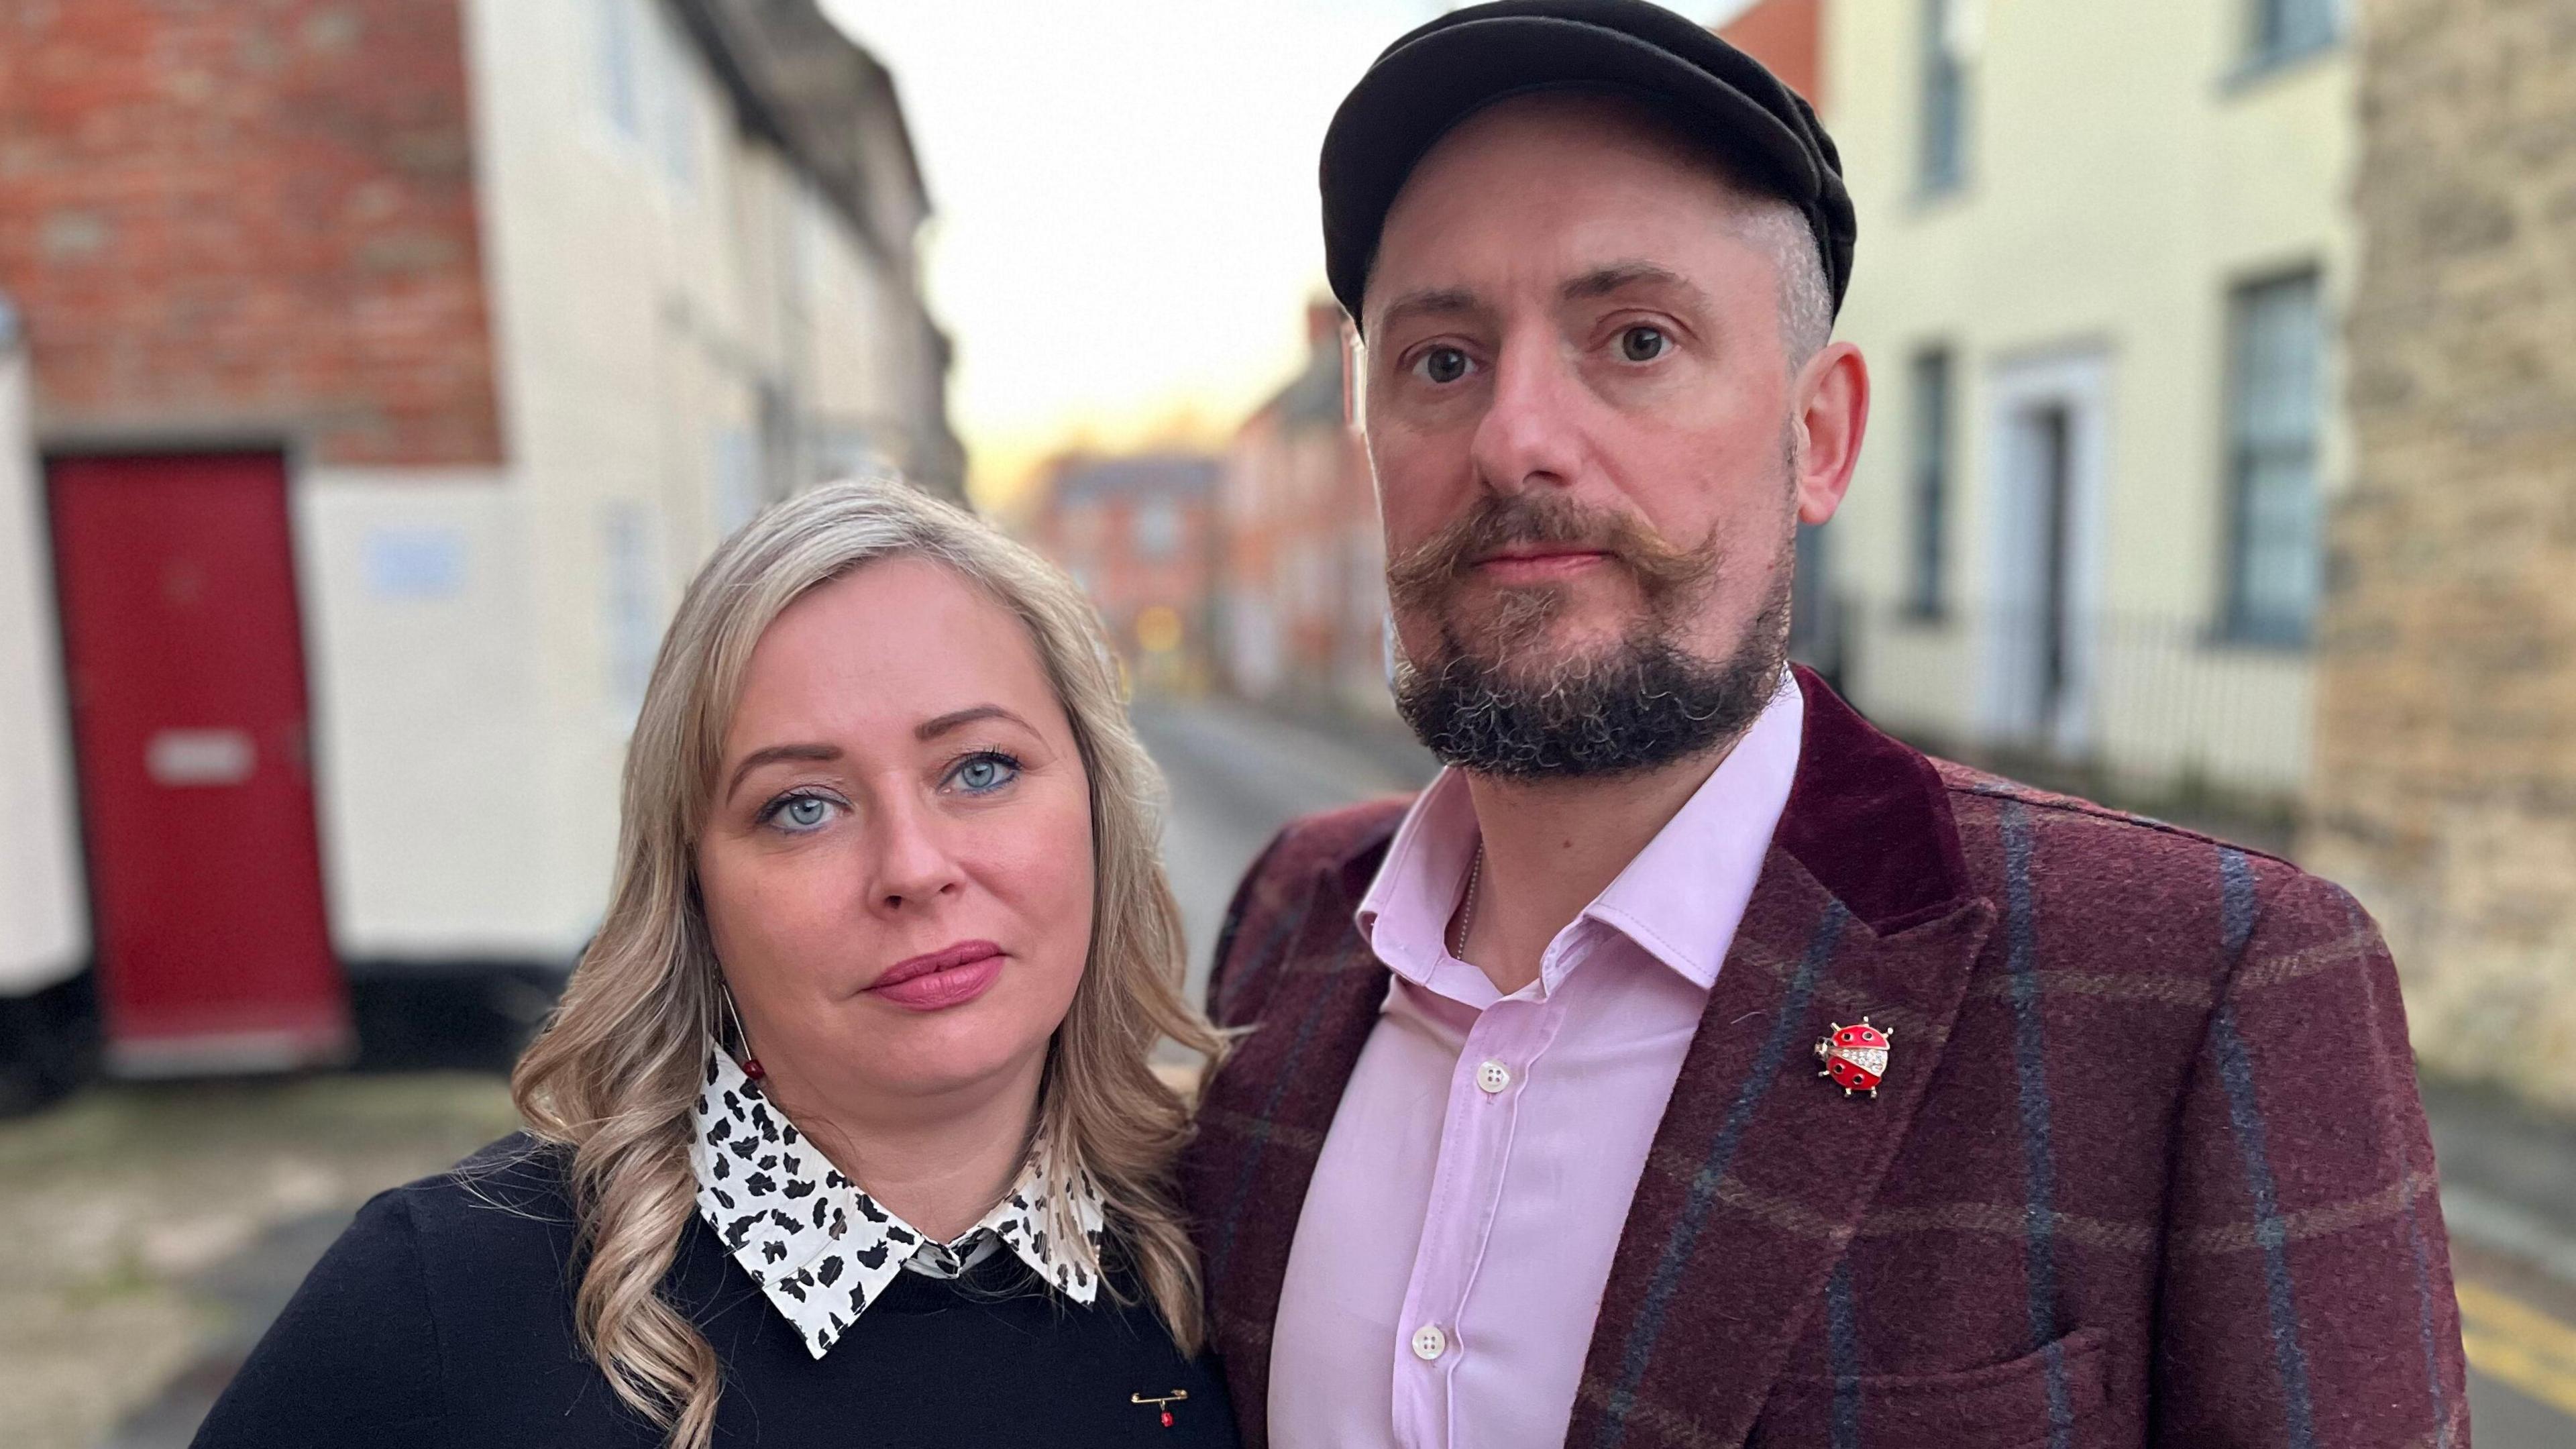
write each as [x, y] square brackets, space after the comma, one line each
[183, 647]
[2050, 421]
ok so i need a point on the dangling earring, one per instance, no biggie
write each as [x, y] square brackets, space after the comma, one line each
[750, 1064]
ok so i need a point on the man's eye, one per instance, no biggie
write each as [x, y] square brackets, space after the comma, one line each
[1643, 344]
[1442, 366]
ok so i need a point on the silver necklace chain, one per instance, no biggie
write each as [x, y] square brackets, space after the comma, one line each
[1467, 906]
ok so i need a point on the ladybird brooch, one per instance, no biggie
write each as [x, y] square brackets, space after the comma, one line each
[1854, 1056]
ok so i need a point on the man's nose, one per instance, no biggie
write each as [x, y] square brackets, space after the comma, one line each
[1531, 434]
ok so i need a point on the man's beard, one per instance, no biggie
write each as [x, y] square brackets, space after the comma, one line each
[1642, 703]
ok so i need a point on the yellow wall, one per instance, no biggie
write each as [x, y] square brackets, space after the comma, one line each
[2121, 178]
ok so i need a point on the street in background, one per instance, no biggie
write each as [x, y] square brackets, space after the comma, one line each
[374, 372]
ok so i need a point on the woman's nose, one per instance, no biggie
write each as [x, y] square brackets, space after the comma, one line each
[914, 863]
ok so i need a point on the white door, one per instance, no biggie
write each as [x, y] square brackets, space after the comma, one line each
[2050, 423]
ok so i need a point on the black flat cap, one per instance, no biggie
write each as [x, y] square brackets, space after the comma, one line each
[1438, 75]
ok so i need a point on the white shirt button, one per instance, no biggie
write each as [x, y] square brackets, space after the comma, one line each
[1493, 1076]
[1429, 1342]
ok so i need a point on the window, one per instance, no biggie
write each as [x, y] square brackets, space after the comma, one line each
[1927, 541]
[1944, 160]
[676, 132]
[647, 84]
[1158, 529]
[631, 610]
[1815, 633]
[620, 69]
[2284, 30]
[2275, 569]
[737, 480]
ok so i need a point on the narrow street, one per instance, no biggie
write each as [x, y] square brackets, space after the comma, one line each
[1238, 774]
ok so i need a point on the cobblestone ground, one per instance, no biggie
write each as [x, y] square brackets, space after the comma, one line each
[117, 1205]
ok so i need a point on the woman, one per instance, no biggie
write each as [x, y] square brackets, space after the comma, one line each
[845, 1132]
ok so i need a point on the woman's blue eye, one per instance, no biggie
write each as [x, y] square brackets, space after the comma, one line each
[986, 773]
[799, 814]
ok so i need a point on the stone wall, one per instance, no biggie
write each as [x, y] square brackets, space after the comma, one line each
[2446, 793]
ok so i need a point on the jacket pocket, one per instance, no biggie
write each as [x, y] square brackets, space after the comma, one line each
[2002, 1406]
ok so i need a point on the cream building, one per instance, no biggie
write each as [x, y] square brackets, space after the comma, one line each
[2102, 251]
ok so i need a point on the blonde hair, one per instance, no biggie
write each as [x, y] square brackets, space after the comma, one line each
[614, 1077]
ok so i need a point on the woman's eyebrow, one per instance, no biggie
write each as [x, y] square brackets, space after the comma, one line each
[931, 729]
[775, 753]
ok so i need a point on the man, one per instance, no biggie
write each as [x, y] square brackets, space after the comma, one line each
[1557, 1120]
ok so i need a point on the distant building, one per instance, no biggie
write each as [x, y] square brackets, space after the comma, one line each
[2445, 790]
[2103, 251]
[1139, 535]
[1304, 587]
[1788, 37]
[390, 364]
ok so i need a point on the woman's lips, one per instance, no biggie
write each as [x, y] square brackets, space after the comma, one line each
[941, 979]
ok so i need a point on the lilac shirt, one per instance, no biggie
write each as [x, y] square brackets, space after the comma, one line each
[1450, 1259]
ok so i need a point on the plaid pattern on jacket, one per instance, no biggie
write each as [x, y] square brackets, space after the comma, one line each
[2148, 1166]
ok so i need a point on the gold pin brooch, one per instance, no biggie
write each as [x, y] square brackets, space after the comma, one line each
[1163, 1402]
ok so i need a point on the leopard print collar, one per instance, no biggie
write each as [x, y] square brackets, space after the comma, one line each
[822, 1250]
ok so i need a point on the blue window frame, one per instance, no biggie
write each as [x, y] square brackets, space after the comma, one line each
[1942, 164]
[2274, 414]
[2279, 31]
[1927, 541]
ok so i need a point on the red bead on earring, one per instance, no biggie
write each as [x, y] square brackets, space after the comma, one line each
[751, 1068]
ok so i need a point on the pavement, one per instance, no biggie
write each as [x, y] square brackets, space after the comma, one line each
[1237, 775]
[2509, 1199]
[150, 1231]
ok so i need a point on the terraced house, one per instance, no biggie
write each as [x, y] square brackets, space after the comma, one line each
[2105, 251]
[382, 369]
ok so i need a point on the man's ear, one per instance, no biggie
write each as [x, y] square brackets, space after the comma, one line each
[1833, 413]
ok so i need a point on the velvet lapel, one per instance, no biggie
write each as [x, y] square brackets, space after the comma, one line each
[1276, 1096]
[1760, 1170]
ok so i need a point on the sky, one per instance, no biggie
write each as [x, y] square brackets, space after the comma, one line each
[1126, 228]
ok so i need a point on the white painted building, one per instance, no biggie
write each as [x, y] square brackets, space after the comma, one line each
[686, 264]
[44, 929]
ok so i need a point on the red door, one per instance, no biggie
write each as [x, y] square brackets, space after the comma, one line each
[186, 664]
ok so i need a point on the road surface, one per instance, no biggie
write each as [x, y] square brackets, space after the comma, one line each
[1237, 775]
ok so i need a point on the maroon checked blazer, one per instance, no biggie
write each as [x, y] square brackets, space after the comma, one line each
[2148, 1168]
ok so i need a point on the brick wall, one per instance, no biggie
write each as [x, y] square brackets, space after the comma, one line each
[2447, 689]
[1788, 37]
[247, 217]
